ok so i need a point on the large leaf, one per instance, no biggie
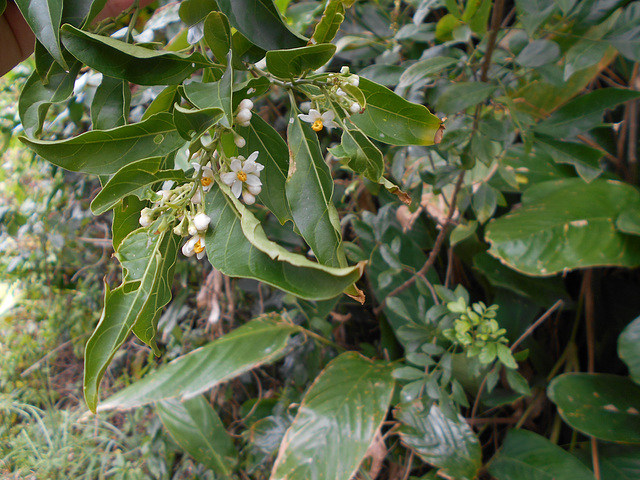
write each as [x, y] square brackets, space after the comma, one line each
[309, 190]
[391, 119]
[625, 35]
[133, 63]
[360, 154]
[126, 219]
[629, 348]
[330, 22]
[258, 342]
[110, 104]
[603, 406]
[148, 260]
[566, 224]
[336, 421]
[457, 97]
[212, 95]
[196, 427]
[292, 63]
[526, 455]
[191, 123]
[261, 23]
[617, 462]
[217, 34]
[106, 152]
[254, 256]
[44, 18]
[450, 446]
[585, 159]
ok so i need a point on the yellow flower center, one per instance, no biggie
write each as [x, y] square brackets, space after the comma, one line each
[198, 247]
[317, 125]
[206, 181]
[241, 176]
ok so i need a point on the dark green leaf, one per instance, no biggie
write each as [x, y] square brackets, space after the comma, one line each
[516, 381]
[625, 35]
[3, 6]
[629, 348]
[603, 406]
[106, 152]
[133, 63]
[449, 446]
[44, 18]
[163, 102]
[330, 22]
[584, 54]
[526, 455]
[217, 34]
[484, 202]
[110, 105]
[336, 421]
[293, 62]
[617, 462]
[457, 97]
[391, 119]
[195, 11]
[532, 13]
[196, 427]
[476, 14]
[538, 53]
[212, 95]
[244, 50]
[360, 155]
[191, 123]
[586, 160]
[258, 342]
[629, 221]
[126, 218]
[424, 69]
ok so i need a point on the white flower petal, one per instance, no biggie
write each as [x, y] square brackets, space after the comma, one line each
[254, 189]
[197, 198]
[248, 198]
[246, 104]
[253, 180]
[236, 188]
[328, 116]
[305, 118]
[236, 164]
[249, 167]
[228, 178]
[253, 157]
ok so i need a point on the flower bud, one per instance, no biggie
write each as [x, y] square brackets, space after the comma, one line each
[239, 141]
[248, 198]
[254, 189]
[245, 104]
[243, 116]
[201, 222]
[355, 107]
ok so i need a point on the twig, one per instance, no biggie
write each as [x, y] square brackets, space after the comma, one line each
[595, 458]
[408, 466]
[496, 21]
[589, 314]
[632, 146]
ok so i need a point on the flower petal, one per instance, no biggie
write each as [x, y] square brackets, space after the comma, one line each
[228, 178]
[328, 116]
[236, 188]
[236, 164]
[305, 118]
[253, 157]
[253, 180]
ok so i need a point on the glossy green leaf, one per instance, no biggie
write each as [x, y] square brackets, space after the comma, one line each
[163, 102]
[133, 63]
[457, 97]
[476, 14]
[391, 119]
[197, 428]
[538, 53]
[292, 63]
[424, 69]
[449, 446]
[336, 421]
[360, 155]
[44, 18]
[126, 219]
[191, 123]
[212, 95]
[274, 155]
[583, 113]
[244, 50]
[309, 189]
[131, 180]
[625, 35]
[585, 159]
[110, 105]
[258, 342]
[217, 34]
[617, 462]
[148, 260]
[526, 455]
[3, 6]
[603, 406]
[584, 54]
[195, 11]
[532, 13]
[260, 22]
[629, 221]
[106, 152]
[330, 22]
[255, 256]
[629, 348]
[564, 225]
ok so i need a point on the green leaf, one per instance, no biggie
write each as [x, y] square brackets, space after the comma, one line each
[330, 22]
[629, 348]
[476, 14]
[625, 35]
[584, 54]
[192, 123]
[538, 53]
[3, 6]
[258, 342]
[629, 221]
[131, 180]
[566, 224]
[617, 462]
[336, 421]
[292, 63]
[446, 27]
[457, 97]
[197, 428]
[484, 202]
[391, 119]
[462, 232]
[133, 63]
[526, 455]
[110, 104]
[449, 446]
[532, 13]
[163, 102]
[195, 11]
[244, 50]
[44, 18]
[254, 256]
[585, 159]
[309, 190]
[106, 152]
[217, 34]
[583, 113]
[424, 69]
[360, 155]
[126, 219]
[274, 155]
[602, 406]
[260, 22]
[148, 260]
[212, 95]
[516, 381]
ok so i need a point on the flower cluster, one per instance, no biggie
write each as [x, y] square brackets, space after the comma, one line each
[244, 177]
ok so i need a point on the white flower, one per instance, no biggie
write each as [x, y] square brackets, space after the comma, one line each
[197, 198]
[243, 118]
[145, 219]
[355, 107]
[206, 180]
[194, 246]
[341, 93]
[318, 120]
[248, 198]
[245, 104]
[201, 222]
[239, 141]
[243, 173]
[353, 80]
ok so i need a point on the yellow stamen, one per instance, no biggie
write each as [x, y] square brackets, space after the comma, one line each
[317, 125]
[206, 181]
[241, 176]
[198, 247]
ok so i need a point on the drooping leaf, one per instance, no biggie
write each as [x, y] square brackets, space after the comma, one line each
[601, 405]
[260, 22]
[217, 34]
[191, 123]
[459, 96]
[360, 154]
[106, 152]
[528, 455]
[449, 446]
[293, 62]
[110, 105]
[336, 421]
[585, 159]
[564, 225]
[133, 63]
[258, 342]
[148, 260]
[629, 348]
[330, 22]
[391, 119]
[44, 18]
[197, 428]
